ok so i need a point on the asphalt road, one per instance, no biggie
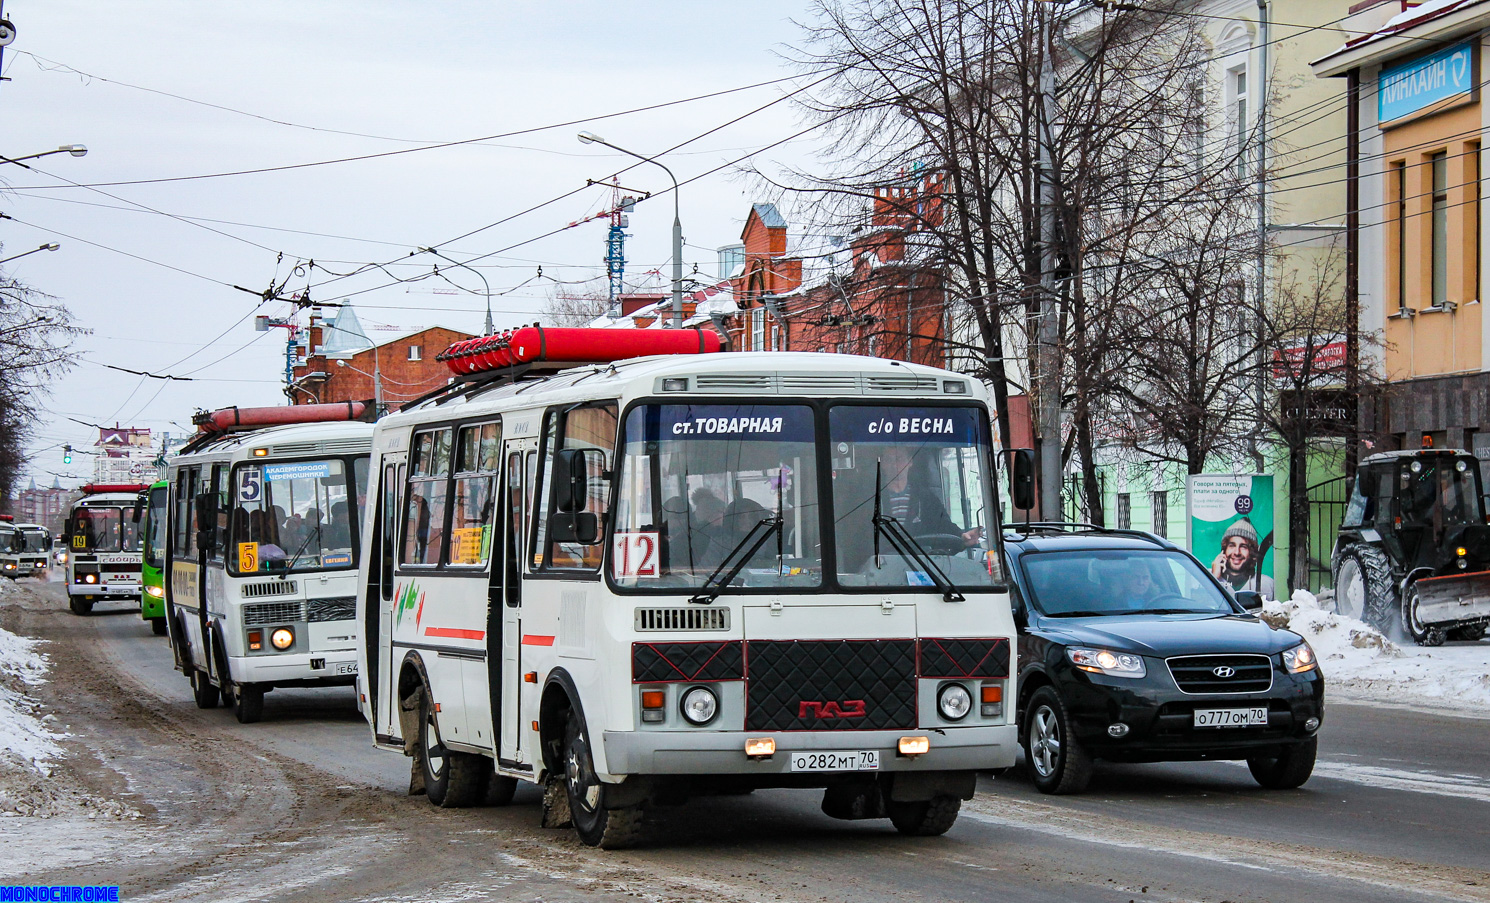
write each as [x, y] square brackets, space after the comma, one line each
[301, 806]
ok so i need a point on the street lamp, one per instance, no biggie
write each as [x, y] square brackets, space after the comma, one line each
[77, 150]
[489, 327]
[592, 138]
[49, 246]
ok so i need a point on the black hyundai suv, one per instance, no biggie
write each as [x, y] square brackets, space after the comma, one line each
[1130, 651]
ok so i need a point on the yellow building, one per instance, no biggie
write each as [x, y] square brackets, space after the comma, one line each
[1416, 72]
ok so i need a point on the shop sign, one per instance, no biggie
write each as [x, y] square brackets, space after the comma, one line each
[1427, 80]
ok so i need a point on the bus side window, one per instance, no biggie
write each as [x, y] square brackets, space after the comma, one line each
[388, 528]
[185, 540]
[591, 428]
[424, 515]
[517, 497]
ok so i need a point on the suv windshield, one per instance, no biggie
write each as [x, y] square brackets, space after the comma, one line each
[293, 515]
[925, 472]
[701, 483]
[1092, 582]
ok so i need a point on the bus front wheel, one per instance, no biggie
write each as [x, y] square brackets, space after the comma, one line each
[80, 605]
[609, 829]
[248, 702]
[202, 689]
[158, 626]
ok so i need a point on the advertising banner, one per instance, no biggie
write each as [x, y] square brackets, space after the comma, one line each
[1409, 87]
[1231, 527]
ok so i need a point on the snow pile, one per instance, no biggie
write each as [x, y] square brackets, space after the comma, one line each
[24, 733]
[1359, 662]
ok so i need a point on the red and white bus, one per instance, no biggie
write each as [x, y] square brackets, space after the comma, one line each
[639, 580]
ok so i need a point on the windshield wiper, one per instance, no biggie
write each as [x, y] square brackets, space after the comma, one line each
[754, 539]
[907, 546]
[1090, 614]
[294, 559]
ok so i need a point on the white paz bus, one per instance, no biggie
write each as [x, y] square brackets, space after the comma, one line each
[638, 581]
[261, 551]
[103, 544]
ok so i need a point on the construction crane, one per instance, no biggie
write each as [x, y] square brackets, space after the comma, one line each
[615, 237]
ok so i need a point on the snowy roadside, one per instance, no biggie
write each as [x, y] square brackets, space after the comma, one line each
[34, 782]
[1359, 663]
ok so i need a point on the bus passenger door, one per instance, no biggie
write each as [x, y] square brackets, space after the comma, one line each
[505, 669]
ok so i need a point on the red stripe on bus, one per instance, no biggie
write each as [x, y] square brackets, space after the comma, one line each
[455, 633]
[532, 640]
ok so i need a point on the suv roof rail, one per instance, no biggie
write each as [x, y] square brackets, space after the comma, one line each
[1080, 527]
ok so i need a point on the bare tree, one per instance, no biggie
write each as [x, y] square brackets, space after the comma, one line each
[565, 307]
[952, 91]
[36, 332]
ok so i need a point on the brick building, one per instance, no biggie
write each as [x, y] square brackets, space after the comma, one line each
[873, 298]
[47, 507]
[336, 361]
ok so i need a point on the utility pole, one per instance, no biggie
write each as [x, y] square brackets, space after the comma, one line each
[1260, 287]
[1048, 327]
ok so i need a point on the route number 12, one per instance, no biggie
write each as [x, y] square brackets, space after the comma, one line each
[635, 555]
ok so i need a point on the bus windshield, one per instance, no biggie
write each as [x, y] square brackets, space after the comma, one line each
[103, 530]
[912, 496]
[32, 539]
[292, 516]
[707, 487]
[155, 528]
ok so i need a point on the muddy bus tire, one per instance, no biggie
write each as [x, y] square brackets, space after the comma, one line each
[500, 790]
[202, 690]
[80, 605]
[452, 780]
[925, 818]
[248, 703]
[609, 829]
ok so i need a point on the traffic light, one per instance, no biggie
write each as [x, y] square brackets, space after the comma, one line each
[67, 454]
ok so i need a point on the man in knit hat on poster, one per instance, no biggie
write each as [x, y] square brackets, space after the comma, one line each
[1239, 561]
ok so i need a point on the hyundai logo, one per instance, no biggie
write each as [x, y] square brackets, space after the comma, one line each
[1224, 671]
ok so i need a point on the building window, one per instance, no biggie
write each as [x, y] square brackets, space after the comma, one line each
[416, 352]
[1400, 185]
[1239, 118]
[1159, 502]
[1124, 511]
[1440, 162]
[757, 330]
[1472, 211]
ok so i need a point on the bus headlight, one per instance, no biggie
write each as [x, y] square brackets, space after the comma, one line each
[156, 591]
[90, 578]
[954, 702]
[282, 638]
[700, 705]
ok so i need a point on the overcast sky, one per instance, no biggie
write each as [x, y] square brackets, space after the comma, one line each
[399, 74]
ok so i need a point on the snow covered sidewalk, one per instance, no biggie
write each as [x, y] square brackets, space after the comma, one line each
[1360, 663]
[28, 742]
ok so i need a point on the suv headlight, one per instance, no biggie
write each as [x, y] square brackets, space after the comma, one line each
[1300, 659]
[1105, 661]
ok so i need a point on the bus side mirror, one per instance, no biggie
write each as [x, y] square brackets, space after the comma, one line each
[136, 512]
[207, 522]
[581, 527]
[570, 481]
[1022, 478]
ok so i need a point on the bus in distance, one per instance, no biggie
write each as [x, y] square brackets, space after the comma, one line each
[102, 540]
[261, 551]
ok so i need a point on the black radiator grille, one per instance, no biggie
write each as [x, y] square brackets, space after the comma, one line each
[800, 685]
[1222, 673]
[342, 608]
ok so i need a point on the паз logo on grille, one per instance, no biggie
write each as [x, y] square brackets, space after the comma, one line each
[1224, 671]
[851, 708]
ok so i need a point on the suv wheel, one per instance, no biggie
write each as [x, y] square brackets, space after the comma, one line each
[1422, 634]
[1057, 762]
[1287, 771]
[1363, 585]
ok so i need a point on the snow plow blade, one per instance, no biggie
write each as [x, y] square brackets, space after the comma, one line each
[1455, 599]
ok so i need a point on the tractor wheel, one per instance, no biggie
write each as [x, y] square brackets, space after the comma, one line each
[1472, 633]
[1422, 634]
[1363, 585]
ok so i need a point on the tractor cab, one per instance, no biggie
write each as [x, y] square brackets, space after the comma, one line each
[1414, 528]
